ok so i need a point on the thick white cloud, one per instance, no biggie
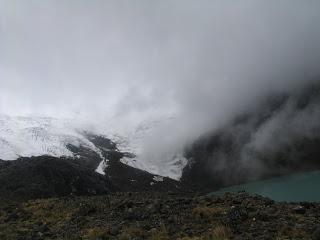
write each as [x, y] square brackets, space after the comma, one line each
[131, 60]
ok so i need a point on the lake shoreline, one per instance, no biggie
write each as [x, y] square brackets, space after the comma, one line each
[290, 188]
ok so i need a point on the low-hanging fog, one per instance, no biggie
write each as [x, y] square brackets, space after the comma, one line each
[198, 63]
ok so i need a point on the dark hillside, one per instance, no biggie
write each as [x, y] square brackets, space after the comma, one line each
[279, 136]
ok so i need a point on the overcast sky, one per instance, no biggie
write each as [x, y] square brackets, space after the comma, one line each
[130, 60]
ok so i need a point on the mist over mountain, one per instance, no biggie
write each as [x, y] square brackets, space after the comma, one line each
[200, 73]
[278, 136]
[168, 119]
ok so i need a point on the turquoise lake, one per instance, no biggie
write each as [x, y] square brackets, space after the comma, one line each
[290, 188]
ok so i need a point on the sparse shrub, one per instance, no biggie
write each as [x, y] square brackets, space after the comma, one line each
[287, 232]
[97, 233]
[131, 233]
[207, 212]
[161, 234]
[49, 211]
[190, 238]
[219, 232]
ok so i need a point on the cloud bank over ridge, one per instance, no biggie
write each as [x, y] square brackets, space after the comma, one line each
[127, 62]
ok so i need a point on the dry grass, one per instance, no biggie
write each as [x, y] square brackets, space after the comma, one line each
[208, 212]
[49, 211]
[131, 233]
[286, 232]
[161, 234]
[97, 233]
[219, 232]
[137, 233]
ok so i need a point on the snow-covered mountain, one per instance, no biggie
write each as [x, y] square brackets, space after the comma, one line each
[37, 136]
[277, 136]
[57, 157]
[26, 137]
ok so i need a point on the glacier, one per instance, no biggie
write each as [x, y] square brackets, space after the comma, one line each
[37, 136]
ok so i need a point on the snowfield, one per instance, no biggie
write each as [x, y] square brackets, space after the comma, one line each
[36, 136]
[26, 137]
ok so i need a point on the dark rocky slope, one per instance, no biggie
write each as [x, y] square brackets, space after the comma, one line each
[122, 176]
[39, 177]
[155, 216]
[126, 178]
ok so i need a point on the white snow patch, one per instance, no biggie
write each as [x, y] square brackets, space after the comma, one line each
[158, 178]
[101, 168]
